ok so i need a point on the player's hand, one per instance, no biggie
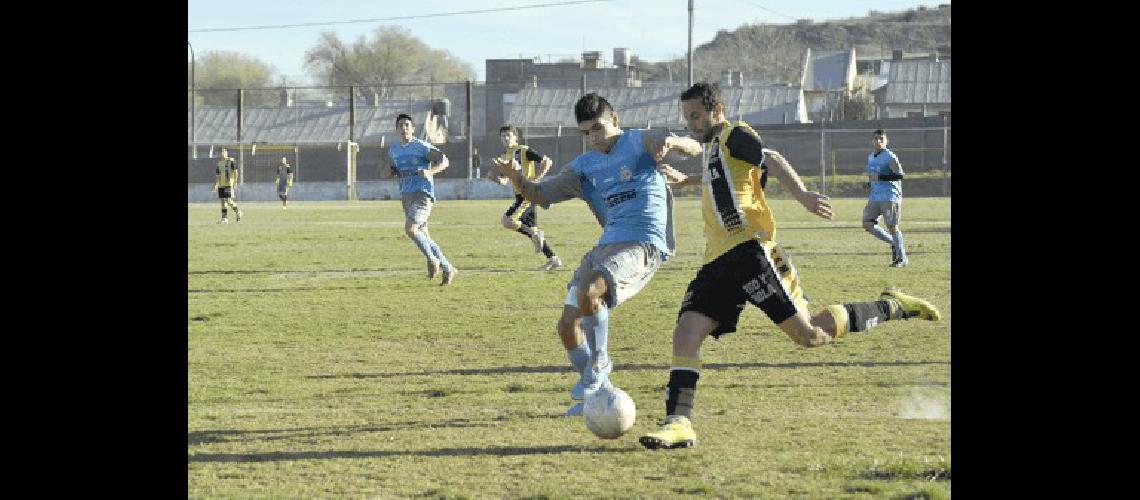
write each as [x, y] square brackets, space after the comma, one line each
[816, 203]
[425, 173]
[663, 150]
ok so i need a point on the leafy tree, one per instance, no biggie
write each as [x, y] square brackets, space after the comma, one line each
[392, 56]
[859, 105]
[230, 70]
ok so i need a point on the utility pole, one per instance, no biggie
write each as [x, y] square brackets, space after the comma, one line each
[690, 43]
[193, 103]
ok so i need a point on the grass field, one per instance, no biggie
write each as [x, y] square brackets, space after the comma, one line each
[322, 362]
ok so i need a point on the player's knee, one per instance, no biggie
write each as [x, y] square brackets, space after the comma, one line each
[508, 222]
[411, 230]
[595, 295]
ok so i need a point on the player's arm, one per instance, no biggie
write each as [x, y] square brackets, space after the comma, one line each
[896, 171]
[676, 177]
[387, 168]
[814, 202]
[529, 189]
[288, 176]
[439, 159]
[659, 142]
[542, 160]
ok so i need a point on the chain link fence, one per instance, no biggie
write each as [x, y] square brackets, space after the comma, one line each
[340, 135]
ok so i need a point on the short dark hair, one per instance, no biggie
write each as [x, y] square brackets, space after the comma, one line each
[404, 116]
[879, 131]
[591, 106]
[709, 94]
[509, 127]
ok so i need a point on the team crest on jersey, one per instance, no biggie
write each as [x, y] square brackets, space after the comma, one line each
[626, 174]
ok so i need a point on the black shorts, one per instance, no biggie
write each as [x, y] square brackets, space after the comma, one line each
[225, 192]
[761, 274]
[529, 214]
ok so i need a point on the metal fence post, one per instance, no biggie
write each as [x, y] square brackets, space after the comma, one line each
[470, 143]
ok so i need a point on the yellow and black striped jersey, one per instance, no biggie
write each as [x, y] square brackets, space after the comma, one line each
[227, 172]
[527, 158]
[732, 191]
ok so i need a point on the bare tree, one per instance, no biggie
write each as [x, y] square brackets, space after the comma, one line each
[392, 56]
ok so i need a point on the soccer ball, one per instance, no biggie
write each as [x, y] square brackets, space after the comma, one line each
[609, 412]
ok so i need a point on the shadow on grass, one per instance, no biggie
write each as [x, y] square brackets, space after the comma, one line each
[229, 436]
[628, 367]
[495, 451]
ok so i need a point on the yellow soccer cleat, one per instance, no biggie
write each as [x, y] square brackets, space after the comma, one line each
[913, 307]
[675, 432]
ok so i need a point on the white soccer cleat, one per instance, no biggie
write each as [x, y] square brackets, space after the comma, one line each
[224, 221]
[553, 263]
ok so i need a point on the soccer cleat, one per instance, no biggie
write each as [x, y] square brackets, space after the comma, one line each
[576, 410]
[433, 268]
[675, 432]
[900, 262]
[913, 307]
[538, 237]
[578, 392]
[224, 221]
[449, 273]
[552, 263]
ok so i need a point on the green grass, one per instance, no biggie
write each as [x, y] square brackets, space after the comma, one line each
[323, 362]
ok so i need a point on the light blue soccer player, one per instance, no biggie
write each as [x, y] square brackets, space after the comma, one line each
[885, 175]
[621, 175]
[411, 160]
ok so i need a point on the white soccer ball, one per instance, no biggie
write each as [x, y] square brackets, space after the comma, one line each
[609, 412]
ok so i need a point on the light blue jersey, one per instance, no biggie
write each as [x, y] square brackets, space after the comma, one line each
[629, 190]
[409, 159]
[881, 164]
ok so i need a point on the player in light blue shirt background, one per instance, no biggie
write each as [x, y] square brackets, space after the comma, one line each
[884, 174]
[411, 160]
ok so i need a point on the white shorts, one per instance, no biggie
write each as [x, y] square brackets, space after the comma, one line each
[627, 267]
[417, 207]
[891, 212]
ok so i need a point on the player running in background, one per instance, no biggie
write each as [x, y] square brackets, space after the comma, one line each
[884, 175]
[743, 262]
[225, 182]
[284, 181]
[411, 160]
[522, 215]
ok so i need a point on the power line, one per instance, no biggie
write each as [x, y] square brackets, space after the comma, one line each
[400, 18]
[769, 10]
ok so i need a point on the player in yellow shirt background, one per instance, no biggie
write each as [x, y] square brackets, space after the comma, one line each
[225, 181]
[522, 215]
[743, 262]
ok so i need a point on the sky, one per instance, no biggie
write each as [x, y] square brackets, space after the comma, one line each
[653, 30]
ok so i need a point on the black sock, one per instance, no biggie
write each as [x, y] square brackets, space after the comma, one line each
[863, 316]
[546, 250]
[225, 212]
[680, 391]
